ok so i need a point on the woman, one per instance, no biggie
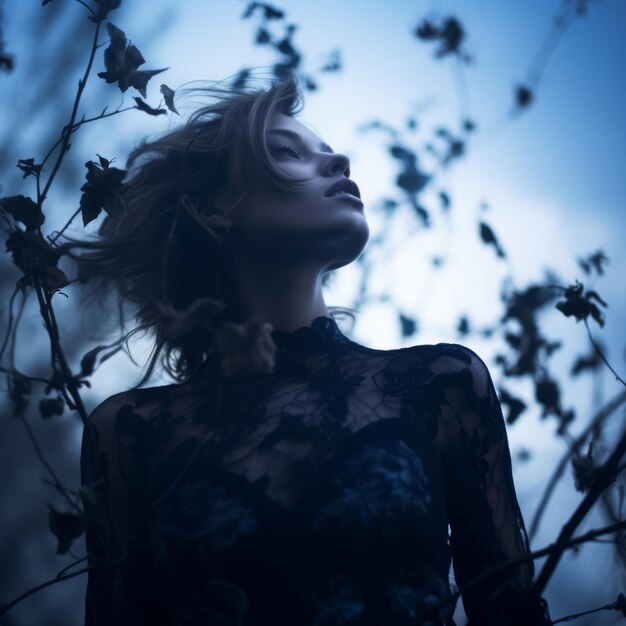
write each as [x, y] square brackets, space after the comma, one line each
[291, 476]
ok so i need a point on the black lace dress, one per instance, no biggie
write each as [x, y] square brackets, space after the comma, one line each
[335, 491]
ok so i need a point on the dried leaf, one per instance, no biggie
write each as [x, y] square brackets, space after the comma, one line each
[489, 237]
[88, 362]
[516, 405]
[198, 316]
[548, 394]
[23, 209]
[577, 303]
[34, 255]
[523, 96]
[168, 96]
[245, 347]
[65, 526]
[29, 167]
[584, 470]
[99, 192]
[408, 325]
[146, 108]
[104, 8]
[139, 80]
[121, 62]
[450, 35]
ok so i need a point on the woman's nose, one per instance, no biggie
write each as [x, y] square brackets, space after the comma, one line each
[338, 164]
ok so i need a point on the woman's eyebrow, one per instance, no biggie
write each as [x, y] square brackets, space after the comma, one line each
[324, 147]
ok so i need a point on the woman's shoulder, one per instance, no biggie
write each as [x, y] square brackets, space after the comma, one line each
[138, 405]
[443, 356]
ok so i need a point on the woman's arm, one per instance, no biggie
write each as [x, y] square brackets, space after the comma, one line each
[485, 519]
[118, 586]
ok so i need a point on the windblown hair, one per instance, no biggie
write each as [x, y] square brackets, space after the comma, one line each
[154, 248]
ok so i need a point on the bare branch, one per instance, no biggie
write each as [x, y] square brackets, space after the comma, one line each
[512, 563]
[603, 478]
[601, 355]
[5, 607]
[614, 606]
[44, 462]
[67, 134]
[604, 413]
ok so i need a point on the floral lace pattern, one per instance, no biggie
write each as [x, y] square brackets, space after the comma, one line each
[336, 490]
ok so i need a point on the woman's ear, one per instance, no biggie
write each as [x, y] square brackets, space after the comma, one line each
[223, 206]
[218, 217]
[216, 211]
[213, 219]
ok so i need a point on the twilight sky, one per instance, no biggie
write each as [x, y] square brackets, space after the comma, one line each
[553, 178]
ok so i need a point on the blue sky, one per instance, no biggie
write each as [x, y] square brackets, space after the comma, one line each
[554, 179]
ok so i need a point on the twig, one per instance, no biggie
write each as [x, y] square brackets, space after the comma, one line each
[614, 606]
[81, 86]
[72, 565]
[77, 125]
[600, 417]
[47, 312]
[547, 48]
[42, 458]
[5, 607]
[603, 478]
[511, 563]
[10, 325]
[60, 232]
[595, 345]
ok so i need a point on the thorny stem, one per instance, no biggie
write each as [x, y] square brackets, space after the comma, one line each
[53, 330]
[77, 125]
[66, 136]
[599, 351]
[599, 418]
[53, 239]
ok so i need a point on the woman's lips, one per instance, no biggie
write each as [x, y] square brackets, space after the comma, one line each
[348, 196]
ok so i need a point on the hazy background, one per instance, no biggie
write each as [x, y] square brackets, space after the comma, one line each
[552, 178]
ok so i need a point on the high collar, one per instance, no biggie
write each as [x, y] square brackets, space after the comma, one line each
[323, 335]
[292, 347]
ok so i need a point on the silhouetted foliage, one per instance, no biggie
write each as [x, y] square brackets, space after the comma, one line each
[37, 258]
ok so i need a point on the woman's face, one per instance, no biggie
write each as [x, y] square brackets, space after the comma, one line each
[302, 222]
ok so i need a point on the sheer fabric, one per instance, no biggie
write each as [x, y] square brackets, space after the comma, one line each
[338, 490]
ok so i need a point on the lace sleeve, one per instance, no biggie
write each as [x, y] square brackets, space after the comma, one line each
[117, 584]
[485, 519]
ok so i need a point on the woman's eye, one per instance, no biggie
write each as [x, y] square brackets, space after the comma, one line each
[287, 148]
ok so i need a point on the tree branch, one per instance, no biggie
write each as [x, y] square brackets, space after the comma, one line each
[604, 413]
[66, 136]
[512, 563]
[614, 606]
[42, 458]
[58, 578]
[603, 478]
